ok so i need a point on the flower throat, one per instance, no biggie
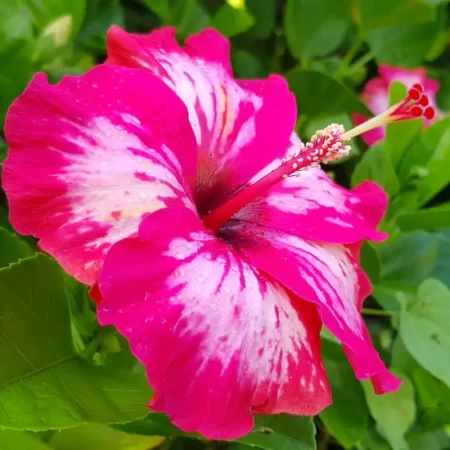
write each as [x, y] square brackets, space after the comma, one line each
[326, 145]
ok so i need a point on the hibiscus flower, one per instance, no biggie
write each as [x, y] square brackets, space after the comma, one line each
[215, 243]
[376, 95]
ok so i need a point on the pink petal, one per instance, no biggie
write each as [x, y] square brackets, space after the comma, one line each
[314, 207]
[90, 156]
[328, 275]
[219, 339]
[240, 126]
[406, 76]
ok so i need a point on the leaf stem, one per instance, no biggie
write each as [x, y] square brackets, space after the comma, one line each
[379, 312]
[93, 346]
[351, 53]
[362, 61]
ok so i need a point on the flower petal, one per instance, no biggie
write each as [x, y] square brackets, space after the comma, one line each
[90, 156]
[219, 339]
[314, 207]
[240, 126]
[328, 275]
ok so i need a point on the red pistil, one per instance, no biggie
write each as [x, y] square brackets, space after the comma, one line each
[325, 146]
[416, 104]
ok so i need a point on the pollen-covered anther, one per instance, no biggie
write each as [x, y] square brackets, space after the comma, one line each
[326, 145]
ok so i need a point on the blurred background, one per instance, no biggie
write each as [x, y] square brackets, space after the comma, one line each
[342, 59]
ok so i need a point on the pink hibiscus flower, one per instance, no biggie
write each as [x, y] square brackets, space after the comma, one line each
[376, 95]
[217, 244]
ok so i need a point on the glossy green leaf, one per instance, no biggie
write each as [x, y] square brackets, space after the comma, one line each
[16, 71]
[154, 425]
[386, 13]
[232, 21]
[43, 384]
[370, 262]
[162, 8]
[413, 257]
[347, 417]
[264, 13]
[437, 177]
[412, 41]
[21, 440]
[282, 432]
[394, 412]
[315, 27]
[320, 95]
[270, 432]
[424, 328]
[426, 219]
[99, 437]
[247, 65]
[375, 165]
[100, 15]
[12, 248]
[433, 399]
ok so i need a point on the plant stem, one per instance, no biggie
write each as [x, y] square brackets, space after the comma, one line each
[352, 52]
[379, 312]
[362, 61]
[96, 342]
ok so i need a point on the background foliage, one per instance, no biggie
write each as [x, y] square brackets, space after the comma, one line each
[58, 371]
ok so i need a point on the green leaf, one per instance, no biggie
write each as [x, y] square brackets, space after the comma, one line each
[20, 440]
[154, 425]
[437, 177]
[264, 13]
[232, 21]
[401, 359]
[426, 219]
[100, 15]
[162, 8]
[376, 166]
[386, 13]
[42, 382]
[188, 16]
[247, 65]
[413, 257]
[346, 419]
[424, 328]
[12, 248]
[394, 412]
[412, 41]
[282, 432]
[320, 95]
[98, 437]
[315, 27]
[16, 72]
[413, 164]
[370, 262]
[433, 398]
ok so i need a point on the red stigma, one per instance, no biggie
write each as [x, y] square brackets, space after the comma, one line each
[415, 105]
[430, 113]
